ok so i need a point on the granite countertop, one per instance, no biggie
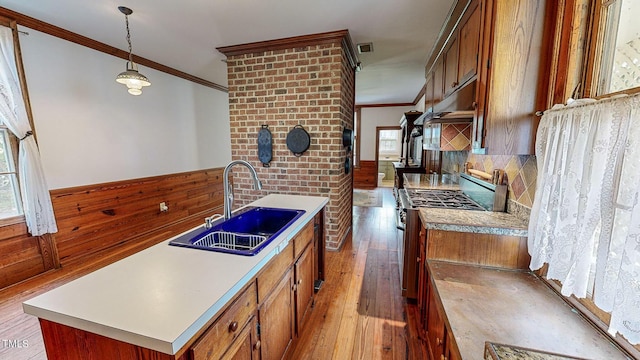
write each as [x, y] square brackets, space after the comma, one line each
[470, 221]
[431, 181]
[479, 222]
[512, 307]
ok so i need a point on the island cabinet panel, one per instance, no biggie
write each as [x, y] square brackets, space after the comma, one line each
[270, 276]
[68, 343]
[304, 238]
[304, 286]
[246, 346]
[319, 249]
[224, 332]
[276, 317]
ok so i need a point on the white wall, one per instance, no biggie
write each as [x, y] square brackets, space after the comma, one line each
[372, 117]
[90, 130]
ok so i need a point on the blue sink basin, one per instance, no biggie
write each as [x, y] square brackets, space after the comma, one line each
[246, 233]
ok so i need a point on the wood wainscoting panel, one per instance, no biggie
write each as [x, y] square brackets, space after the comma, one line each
[21, 256]
[366, 176]
[95, 218]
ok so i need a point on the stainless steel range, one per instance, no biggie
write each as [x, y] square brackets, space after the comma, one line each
[445, 199]
[474, 194]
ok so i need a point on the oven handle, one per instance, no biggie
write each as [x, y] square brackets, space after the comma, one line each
[399, 223]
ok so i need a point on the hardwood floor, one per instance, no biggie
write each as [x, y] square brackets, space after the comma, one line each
[358, 313]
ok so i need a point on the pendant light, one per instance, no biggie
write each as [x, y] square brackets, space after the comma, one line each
[131, 78]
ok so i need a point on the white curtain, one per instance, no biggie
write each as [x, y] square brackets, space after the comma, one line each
[36, 200]
[585, 219]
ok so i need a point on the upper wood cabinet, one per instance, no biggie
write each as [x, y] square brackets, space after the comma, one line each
[438, 81]
[468, 43]
[451, 67]
[494, 46]
[511, 55]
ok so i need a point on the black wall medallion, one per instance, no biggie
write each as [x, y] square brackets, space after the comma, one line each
[265, 145]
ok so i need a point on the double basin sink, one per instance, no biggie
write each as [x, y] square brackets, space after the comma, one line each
[247, 232]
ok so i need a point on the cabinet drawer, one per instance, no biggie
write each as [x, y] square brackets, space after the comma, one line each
[215, 341]
[270, 276]
[303, 238]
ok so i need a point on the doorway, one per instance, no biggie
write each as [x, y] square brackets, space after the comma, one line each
[388, 151]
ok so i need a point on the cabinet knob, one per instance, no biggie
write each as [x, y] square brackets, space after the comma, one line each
[438, 341]
[233, 326]
[257, 345]
[418, 260]
[474, 105]
[299, 281]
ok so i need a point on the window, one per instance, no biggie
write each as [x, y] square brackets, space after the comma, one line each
[594, 47]
[619, 68]
[10, 202]
[389, 142]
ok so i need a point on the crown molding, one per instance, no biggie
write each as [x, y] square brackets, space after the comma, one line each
[38, 25]
[330, 37]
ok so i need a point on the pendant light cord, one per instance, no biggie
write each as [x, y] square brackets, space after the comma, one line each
[126, 19]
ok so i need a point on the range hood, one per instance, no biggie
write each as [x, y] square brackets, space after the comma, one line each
[455, 108]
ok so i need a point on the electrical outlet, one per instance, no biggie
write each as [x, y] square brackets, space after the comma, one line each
[163, 207]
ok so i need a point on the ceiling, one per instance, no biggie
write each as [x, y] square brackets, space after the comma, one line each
[184, 34]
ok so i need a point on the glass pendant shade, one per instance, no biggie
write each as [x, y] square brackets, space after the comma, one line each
[133, 79]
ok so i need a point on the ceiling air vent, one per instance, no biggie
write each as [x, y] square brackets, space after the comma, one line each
[365, 48]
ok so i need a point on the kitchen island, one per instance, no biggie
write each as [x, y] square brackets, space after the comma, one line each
[162, 298]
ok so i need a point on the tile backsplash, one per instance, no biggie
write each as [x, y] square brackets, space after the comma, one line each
[520, 171]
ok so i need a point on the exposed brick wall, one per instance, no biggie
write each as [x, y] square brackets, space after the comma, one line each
[312, 86]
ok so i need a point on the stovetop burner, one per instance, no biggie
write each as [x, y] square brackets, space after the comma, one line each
[445, 199]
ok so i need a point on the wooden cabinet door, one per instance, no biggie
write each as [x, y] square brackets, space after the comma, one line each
[450, 351]
[223, 333]
[438, 82]
[303, 285]
[451, 67]
[469, 40]
[507, 109]
[276, 320]
[435, 328]
[245, 346]
[428, 93]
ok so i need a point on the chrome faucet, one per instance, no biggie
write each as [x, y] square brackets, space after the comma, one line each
[228, 188]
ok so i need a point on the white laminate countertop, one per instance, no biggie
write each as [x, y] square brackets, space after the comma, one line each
[160, 297]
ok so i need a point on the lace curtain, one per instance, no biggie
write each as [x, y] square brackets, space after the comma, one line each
[585, 219]
[38, 211]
